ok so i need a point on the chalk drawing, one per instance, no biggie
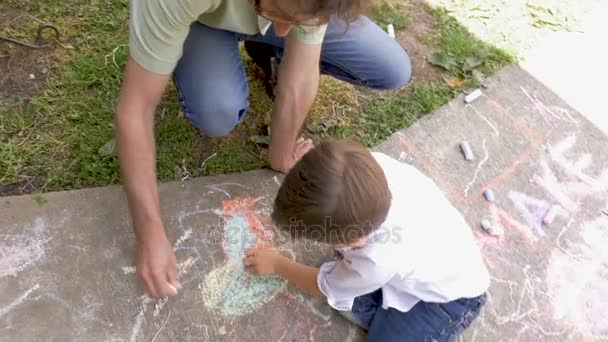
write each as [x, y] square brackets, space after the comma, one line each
[129, 270]
[20, 251]
[547, 112]
[578, 285]
[229, 289]
[577, 184]
[87, 313]
[531, 209]
[145, 300]
[18, 301]
[483, 118]
[483, 161]
[185, 236]
[161, 327]
[576, 168]
[276, 180]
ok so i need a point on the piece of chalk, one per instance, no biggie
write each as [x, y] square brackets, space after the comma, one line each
[173, 288]
[489, 195]
[472, 96]
[466, 151]
[391, 30]
[494, 229]
[550, 215]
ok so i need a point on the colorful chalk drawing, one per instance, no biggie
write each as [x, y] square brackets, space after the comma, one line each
[531, 209]
[230, 289]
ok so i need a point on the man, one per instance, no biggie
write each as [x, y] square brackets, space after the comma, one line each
[197, 42]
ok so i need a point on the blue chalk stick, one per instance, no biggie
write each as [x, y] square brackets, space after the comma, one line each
[489, 195]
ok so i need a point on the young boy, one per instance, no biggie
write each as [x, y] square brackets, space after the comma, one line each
[410, 268]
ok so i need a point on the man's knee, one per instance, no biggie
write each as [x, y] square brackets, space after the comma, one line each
[215, 118]
[395, 71]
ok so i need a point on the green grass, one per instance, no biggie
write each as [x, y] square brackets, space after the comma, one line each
[391, 12]
[56, 137]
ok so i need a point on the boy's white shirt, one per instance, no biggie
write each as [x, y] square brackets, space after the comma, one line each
[425, 250]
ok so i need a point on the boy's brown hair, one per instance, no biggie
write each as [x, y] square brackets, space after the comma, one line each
[335, 194]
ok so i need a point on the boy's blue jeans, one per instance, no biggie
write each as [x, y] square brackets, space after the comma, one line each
[424, 322]
[212, 83]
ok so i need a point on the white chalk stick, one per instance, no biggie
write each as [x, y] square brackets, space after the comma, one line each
[466, 150]
[391, 30]
[550, 215]
[473, 96]
[492, 228]
[489, 195]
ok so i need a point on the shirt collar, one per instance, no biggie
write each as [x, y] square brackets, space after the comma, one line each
[263, 24]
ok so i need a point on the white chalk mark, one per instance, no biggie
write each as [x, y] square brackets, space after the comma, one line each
[559, 245]
[352, 334]
[483, 161]
[181, 239]
[316, 311]
[139, 319]
[184, 266]
[129, 270]
[276, 180]
[220, 190]
[543, 331]
[158, 306]
[576, 168]
[17, 252]
[282, 336]
[18, 301]
[404, 156]
[161, 327]
[550, 184]
[547, 112]
[484, 119]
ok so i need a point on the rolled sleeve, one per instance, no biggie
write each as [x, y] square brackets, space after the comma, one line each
[309, 34]
[343, 281]
[158, 29]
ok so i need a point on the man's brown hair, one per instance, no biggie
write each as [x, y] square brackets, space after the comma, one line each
[336, 193]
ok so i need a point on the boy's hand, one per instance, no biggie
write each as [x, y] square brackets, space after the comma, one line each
[262, 261]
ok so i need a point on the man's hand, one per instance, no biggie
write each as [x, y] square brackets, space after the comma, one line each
[297, 86]
[156, 267]
[285, 163]
[262, 261]
[140, 93]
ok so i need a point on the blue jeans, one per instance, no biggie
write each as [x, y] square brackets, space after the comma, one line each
[424, 322]
[212, 84]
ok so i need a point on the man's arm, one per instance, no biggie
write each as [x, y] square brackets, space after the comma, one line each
[296, 90]
[141, 91]
[269, 262]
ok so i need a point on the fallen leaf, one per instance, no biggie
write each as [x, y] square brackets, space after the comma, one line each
[479, 77]
[455, 82]
[471, 63]
[442, 60]
[108, 148]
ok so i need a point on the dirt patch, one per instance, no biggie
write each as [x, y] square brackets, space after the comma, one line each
[23, 71]
[26, 186]
[412, 37]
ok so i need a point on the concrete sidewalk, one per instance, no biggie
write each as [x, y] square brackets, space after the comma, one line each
[66, 267]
